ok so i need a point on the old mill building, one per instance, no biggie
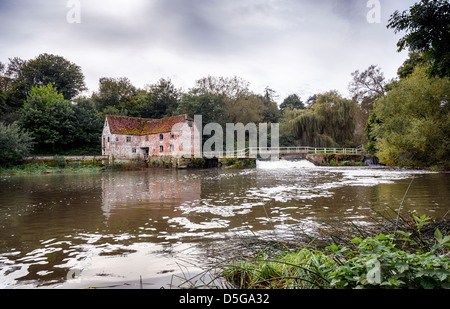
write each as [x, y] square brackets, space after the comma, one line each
[128, 138]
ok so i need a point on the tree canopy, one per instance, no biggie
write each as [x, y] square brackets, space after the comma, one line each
[330, 122]
[427, 27]
[411, 124]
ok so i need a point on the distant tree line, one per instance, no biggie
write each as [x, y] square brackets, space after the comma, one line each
[405, 121]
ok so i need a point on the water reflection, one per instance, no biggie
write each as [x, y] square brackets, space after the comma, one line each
[112, 228]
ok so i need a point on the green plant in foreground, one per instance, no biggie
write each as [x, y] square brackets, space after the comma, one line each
[378, 263]
[300, 269]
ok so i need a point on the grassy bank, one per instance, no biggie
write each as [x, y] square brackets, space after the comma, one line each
[35, 168]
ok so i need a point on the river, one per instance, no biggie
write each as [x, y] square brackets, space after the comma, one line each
[133, 229]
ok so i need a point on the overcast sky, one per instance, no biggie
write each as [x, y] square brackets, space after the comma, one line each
[291, 46]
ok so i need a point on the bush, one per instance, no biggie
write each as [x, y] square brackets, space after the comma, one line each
[15, 144]
[60, 161]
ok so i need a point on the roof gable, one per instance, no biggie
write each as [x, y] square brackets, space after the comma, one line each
[142, 126]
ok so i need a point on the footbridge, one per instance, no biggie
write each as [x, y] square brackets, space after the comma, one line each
[292, 152]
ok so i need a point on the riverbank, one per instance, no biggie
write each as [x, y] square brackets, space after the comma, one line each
[82, 164]
[36, 169]
[412, 255]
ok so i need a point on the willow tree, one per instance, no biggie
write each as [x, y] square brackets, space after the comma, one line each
[330, 122]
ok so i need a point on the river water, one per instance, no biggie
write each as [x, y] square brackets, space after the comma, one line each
[150, 228]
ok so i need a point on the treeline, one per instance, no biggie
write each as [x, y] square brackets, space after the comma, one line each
[404, 121]
[43, 98]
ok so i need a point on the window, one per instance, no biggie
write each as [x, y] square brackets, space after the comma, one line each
[172, 148]
[146, 138]
[108, 139]
[190, 123]
[129, 139]
[161, 148]
[172, 135]
[133, 150]
[161, 137]
[117, 139]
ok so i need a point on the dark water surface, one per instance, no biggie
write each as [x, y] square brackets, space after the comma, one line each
[115, 229]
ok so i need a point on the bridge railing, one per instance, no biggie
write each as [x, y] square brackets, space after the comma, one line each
[254, 151]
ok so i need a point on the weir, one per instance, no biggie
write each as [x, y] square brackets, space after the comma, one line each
[283, 164]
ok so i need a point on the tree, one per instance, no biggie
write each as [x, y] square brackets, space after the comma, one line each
[116, 94]
[88, 127]
[15, 143]
[11, 89]
[427, 27]
[49, 117]
[411, 124]
[367, 84]
[245, 109]
[408, 66]
[161, 100]
[292, 101]
[329, 123]
[271, 111]
[45, 69]
[241, 105]
[231, 87]
[211, 107]
[311, 100]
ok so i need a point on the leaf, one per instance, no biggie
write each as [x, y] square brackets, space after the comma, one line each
[333, 247]
[446, 239]
[356, 240]
[403, 233]
[381, 237]
[428, 283]
[438, 235]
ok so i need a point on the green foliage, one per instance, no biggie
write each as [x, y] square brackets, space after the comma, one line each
[378, 263]
[48, 116]
[330, 122]
[15, 143]
[118, 94]
[161, 100]
[60, 161]
[412, 122]
[292, 101]
[395, 261]
[304, 269]
[407, 68]
[427, 27]
[45, 69]
[88, 127]
[58, 125]
[211, 107]
[198, 163]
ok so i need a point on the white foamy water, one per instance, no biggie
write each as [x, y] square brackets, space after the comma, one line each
[282, 164]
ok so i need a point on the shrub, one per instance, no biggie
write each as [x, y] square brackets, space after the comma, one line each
[15, 144]
[60, 161]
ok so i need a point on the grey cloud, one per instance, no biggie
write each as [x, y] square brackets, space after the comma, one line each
[282, 43]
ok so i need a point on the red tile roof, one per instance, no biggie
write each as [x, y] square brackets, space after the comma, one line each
[143, 126]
